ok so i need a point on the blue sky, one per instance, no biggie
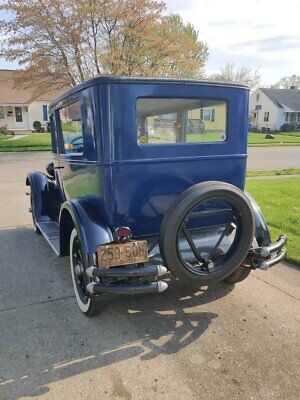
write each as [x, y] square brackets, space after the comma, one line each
[259, 34]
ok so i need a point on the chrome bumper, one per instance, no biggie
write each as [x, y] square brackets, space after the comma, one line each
[267, 256]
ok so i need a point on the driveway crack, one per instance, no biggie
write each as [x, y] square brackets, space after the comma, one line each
[276, 287]
[37, 303]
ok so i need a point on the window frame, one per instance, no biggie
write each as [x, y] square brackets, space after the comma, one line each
[62, 150]
[220, 142]
[45, 113]
[266, 116]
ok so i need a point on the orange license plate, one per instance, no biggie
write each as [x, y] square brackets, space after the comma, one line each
[115, 254]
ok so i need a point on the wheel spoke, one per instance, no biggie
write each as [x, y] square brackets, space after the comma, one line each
[224, 233]
[191, 243]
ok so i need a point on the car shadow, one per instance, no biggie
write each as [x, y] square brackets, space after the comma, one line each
[49, 339]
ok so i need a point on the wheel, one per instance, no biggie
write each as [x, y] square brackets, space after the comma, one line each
[32, 204]
[206, 233]
[90, 306]
[238, 275]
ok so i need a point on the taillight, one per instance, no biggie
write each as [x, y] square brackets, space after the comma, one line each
[122, 234]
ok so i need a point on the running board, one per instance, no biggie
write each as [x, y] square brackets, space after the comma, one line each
[50, 231]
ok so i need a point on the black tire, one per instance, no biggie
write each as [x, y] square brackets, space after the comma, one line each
[89, 305]
[175, 217]
[240, 274]
[33, 213]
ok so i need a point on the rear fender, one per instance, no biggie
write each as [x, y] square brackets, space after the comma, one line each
[45, 195]
[85, 215]
[262, 234]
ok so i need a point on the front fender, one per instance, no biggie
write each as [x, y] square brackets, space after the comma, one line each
[86, 216]
[262, 233]
[43, 192]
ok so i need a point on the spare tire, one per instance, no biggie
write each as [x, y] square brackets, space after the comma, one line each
[197, 225]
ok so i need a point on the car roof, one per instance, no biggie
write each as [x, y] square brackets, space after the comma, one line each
[145, 80]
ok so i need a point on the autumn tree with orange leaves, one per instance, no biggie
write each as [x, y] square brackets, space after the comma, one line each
[64, 42]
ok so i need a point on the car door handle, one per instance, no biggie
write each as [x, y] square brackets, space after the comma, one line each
[60, 167]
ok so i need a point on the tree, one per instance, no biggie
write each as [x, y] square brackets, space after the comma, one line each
[287, 82]
[64, 42]
[244, 75]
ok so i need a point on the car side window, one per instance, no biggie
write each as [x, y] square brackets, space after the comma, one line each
[71, 128]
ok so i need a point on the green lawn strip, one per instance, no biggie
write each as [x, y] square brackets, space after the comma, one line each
[278, 172]
[273, 144]
[297, 134]
[259, 139]
[5, 137]
[279, 200]
[28, 148]
[27, 143]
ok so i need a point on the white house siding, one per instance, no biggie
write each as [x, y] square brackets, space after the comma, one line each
[10, 117]
[276, 116]
[281, 119]
[30, 113]
[36, 112]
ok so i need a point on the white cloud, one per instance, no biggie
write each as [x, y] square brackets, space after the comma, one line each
[252, 33]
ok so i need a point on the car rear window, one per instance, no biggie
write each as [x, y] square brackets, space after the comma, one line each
[176, 120]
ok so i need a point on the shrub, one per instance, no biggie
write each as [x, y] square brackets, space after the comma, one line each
[286, 127]
[37, 126]
[5, 131]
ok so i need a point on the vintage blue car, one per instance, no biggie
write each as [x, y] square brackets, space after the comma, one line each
[148, 178]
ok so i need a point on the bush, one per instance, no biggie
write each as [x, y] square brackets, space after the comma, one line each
[5, 131]
[286, 127]
[37, 126]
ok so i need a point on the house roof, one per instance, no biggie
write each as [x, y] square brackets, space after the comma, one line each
[289, 98]
[12, 95]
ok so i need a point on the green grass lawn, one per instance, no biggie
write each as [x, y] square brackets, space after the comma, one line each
[289, 171]
[42, 141]
[29, 143]
[5, 137]
[297, 134]
[279, 200]
[283, 139]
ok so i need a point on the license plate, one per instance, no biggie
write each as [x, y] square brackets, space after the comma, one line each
[115, 254]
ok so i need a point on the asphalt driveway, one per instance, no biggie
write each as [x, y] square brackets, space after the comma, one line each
[222, 342]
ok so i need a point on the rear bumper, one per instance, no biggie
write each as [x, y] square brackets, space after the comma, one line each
[268, 256]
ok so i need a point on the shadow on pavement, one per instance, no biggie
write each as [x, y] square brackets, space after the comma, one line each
[45, 338]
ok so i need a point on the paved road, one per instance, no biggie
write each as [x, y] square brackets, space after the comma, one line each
[273, 157]
[222, 342]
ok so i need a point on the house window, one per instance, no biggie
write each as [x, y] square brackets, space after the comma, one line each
[45, 112]
[2, 114]
[257, 97]
[208, 114]
[177, 120]
[266, 116]
[71, 127]
[254, 115]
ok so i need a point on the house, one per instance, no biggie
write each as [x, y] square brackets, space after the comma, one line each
[18, 110]
[271, 108]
